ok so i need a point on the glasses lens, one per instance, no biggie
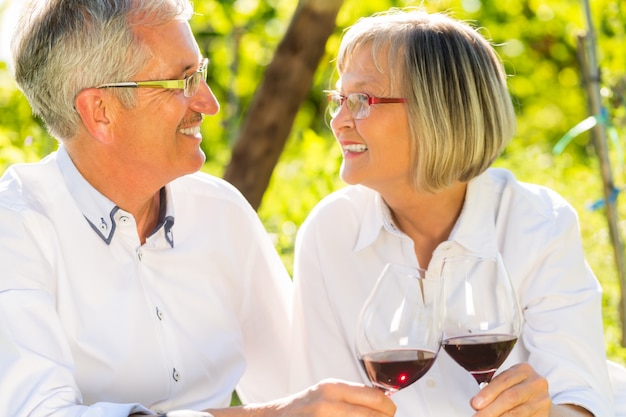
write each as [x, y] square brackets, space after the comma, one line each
[192, 84]
[358, 105]
[334, 104]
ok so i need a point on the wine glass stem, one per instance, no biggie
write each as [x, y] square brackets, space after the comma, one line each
[483, 384]
[387, 392]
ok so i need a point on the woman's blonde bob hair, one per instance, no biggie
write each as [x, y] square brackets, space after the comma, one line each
[459, 109]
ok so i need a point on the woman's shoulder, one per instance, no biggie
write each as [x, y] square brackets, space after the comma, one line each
[527, 196]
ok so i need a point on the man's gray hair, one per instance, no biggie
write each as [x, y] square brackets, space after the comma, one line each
[61, 47]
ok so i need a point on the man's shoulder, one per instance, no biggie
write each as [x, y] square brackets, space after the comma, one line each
[202, 186]
[24, 184]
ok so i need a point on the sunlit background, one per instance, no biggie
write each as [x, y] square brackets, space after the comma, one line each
[535, 38]
[9, 10]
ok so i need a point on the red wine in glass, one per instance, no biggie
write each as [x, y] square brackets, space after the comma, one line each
[480, 355]
[482, 317]
[392, 370]
[399, 328]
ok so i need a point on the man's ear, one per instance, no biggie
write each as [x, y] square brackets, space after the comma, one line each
[93, 107]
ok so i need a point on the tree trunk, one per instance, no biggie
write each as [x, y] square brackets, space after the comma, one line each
[285, 85]
[591, 77]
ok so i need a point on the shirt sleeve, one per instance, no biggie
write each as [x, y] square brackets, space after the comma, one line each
[35, 361]
[266, 315]
[321, 349]
[562, 307]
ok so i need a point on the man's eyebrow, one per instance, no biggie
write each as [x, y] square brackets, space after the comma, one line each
[194, 67]
[187, 69]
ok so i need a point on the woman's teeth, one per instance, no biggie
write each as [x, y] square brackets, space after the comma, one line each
[355, 148]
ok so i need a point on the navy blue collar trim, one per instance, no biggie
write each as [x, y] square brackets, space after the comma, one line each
[107, 239]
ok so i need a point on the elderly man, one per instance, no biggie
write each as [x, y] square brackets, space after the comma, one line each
[131, 284]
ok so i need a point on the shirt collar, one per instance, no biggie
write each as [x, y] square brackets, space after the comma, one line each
[376, 217]
[474, 229]
[166, 214]
[98, 210]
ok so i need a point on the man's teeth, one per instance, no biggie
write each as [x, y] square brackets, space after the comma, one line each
[355, 148]
[191, 131]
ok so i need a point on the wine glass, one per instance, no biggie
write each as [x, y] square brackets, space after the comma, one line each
[482, 319]
[399, 328]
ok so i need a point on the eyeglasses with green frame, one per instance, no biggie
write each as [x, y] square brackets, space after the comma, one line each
[358, 104]
[189, 85]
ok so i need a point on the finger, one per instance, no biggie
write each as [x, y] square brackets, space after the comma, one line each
[358, 395]
[528, 398]
[535, 406]
[526, 410]
[502, 382]
[185, 413]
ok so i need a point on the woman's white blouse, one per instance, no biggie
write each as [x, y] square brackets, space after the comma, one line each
[349, 237]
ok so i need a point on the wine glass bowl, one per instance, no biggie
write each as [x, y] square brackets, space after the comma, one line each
[482, 317]
[392, 370]
[399, 328]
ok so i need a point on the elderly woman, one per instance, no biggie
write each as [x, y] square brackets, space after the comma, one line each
[421, 110]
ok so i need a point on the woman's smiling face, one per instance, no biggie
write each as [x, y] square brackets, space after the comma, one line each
[376, 149]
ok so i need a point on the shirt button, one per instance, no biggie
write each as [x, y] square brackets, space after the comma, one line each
[139, 254]
[124, 219]
[175, 375]
[430, 383]
[159, 313]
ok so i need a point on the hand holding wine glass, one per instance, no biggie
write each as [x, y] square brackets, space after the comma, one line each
[482, 318]
[399, 329]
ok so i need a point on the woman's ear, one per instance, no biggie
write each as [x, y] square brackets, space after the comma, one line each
[92, 107]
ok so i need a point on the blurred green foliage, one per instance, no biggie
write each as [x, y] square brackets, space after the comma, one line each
[537, 42]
